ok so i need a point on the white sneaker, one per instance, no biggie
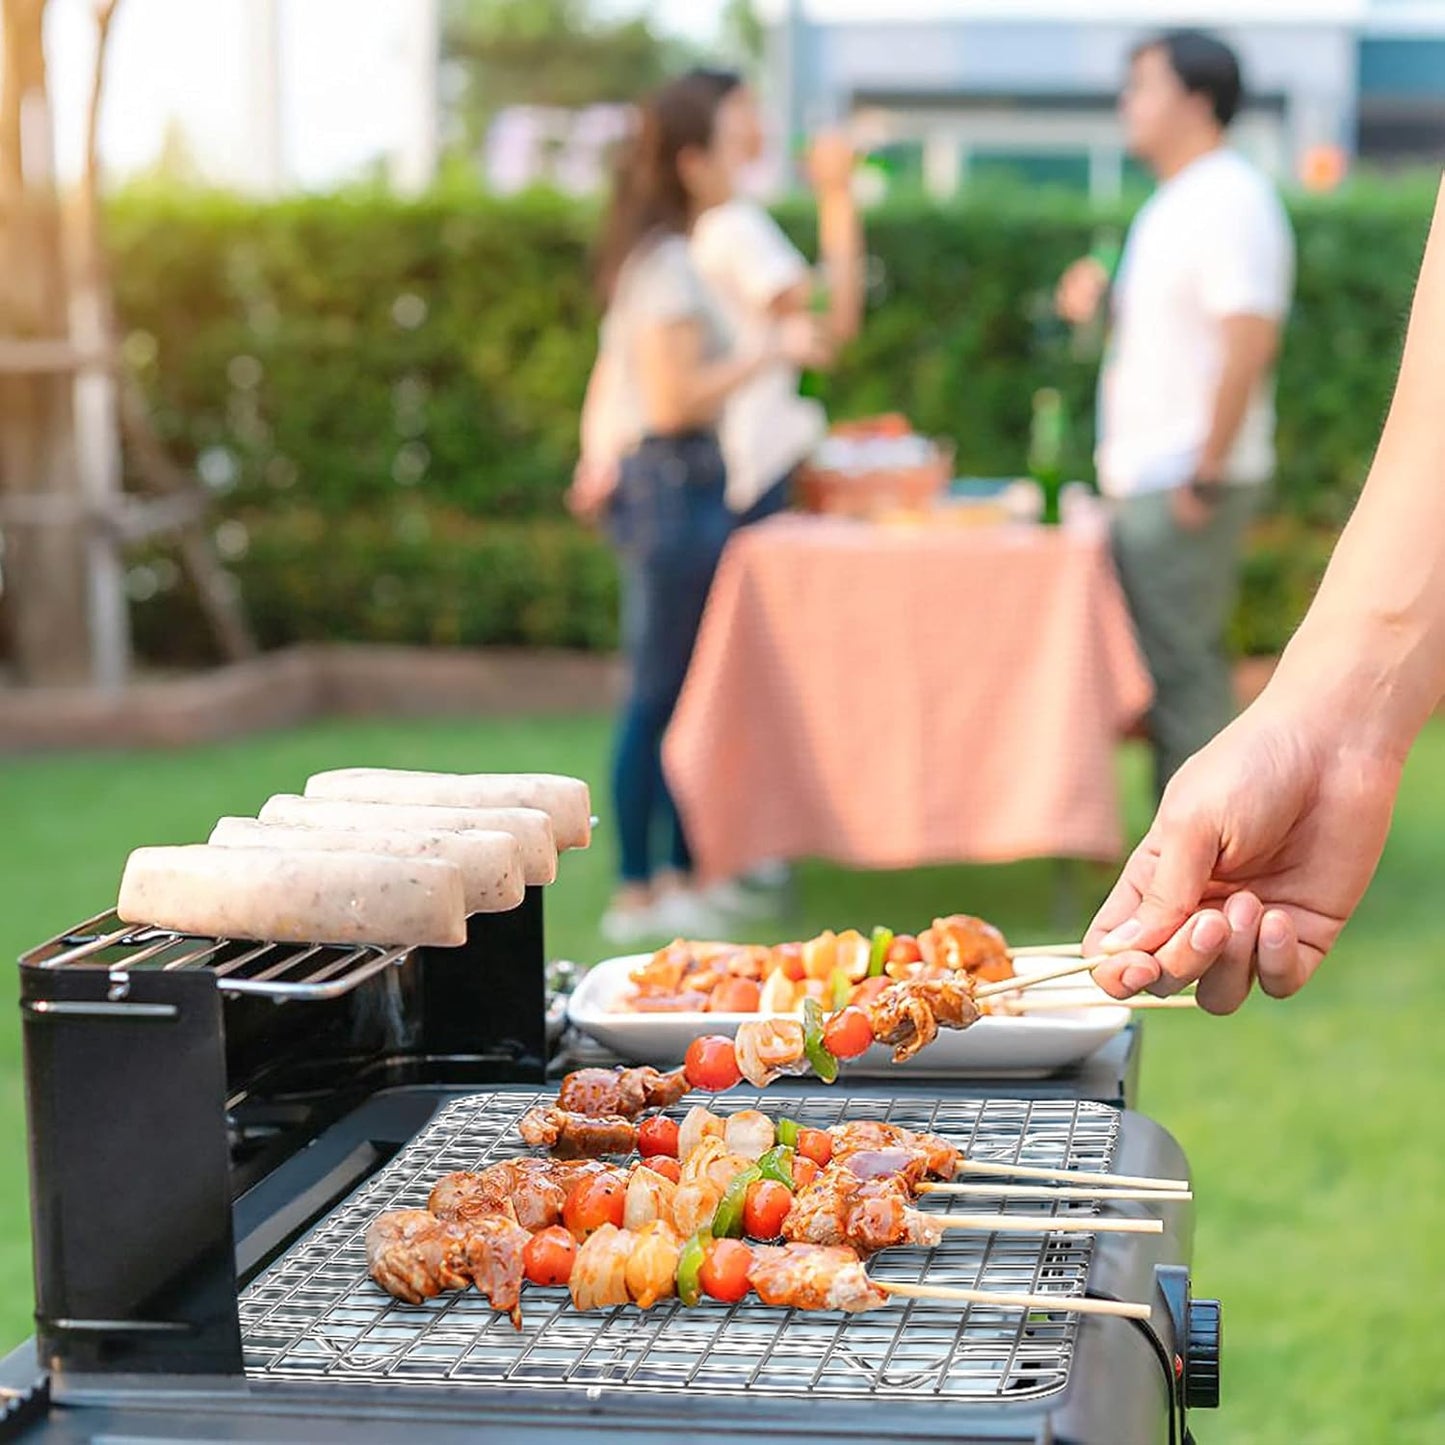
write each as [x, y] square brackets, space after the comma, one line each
[682, 913]
[627, 927]
[730, 897]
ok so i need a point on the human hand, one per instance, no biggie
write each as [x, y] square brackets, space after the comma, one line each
[1263, 846]
[830, 162]
[593, 483]
[1081, 291]
[803, 340]
[1192, 513]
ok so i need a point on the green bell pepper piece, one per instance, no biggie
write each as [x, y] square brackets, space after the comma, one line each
[689, 1267]
[787, 1131]
[727, 1221]
[777, 1164]
[842, 989]
[823, 1062]
[878, 954]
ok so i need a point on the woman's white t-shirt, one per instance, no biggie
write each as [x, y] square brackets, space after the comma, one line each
[1213, 241]
[747, 262]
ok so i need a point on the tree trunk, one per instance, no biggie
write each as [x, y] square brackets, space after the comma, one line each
[45, 559]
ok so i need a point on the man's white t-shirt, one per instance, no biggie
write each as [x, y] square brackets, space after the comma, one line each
[1213, 241]
[747, 262]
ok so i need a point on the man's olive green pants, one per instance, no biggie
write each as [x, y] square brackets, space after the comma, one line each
[1181, 586]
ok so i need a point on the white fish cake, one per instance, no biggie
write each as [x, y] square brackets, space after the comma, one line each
[531, 827]
[566, 801]
[295, 897]
[490, 862]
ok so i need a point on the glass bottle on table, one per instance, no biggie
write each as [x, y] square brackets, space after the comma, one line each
[1046, 452]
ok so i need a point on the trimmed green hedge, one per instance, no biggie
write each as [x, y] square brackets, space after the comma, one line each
[354, 371]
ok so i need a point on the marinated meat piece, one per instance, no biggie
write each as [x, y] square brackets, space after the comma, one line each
[911, 1166]
[866, 1214]
[967, 944]
[494, 1248]
[861, 1135]
[414, 1256]
[652, 1264]
[576, 1136]
[809, 1277]
[691, 1001]
[624, 1092]
[907, 1016]
[536, 1190]
[599, 1273]
[769, 1048]
[902, 1020]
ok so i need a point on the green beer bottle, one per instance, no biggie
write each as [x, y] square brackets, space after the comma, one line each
[1046, 451]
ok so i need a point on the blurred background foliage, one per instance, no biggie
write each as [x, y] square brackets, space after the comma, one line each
[383, 394]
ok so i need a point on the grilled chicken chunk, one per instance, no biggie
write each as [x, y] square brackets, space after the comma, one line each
[576, 1136]
[963, 943]
[866, 1214]
[535, 1189]
[494, 1248]
[811, 1277]
[907, 1016]
[415, 1256]
[623, 1092]
[940, 1158]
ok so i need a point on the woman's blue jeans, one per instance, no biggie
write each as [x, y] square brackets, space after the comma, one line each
[670, 523]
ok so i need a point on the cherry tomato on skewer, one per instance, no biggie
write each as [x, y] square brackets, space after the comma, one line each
[711, 1063]
[805, 1171]
[905, 949]
[735, 996]
[593, 1203]
[767, 1205]
[549, 1255]
[657, 1135]
[724, 1273]
[815, 1144]
[665, 1165]
[848, 1033]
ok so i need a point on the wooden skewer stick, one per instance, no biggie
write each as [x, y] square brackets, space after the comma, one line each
[1033, 980]
[1065, 1304]
[1045, 1224]
[1048, 950]
[1067, 1176]
[1044, 1191]
[1144, 1001]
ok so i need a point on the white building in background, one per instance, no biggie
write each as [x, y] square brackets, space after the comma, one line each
[958, 89]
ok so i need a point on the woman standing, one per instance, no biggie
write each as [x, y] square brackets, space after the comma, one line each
[665, 368]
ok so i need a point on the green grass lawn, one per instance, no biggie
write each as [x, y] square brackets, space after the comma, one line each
[1314, 1127]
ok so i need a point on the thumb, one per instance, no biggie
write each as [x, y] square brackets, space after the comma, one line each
[1188, 848]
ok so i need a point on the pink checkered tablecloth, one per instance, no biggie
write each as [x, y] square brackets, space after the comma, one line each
[887, 697]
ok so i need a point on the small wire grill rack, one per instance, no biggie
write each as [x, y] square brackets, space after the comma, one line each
[294, 971]
[314, 1314]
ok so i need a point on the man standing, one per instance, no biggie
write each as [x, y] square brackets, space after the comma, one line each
[1186, 396]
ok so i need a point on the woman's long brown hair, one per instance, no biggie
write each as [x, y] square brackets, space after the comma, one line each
[648, 194]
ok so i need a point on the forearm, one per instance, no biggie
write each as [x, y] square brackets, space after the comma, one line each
[1250, 343]
[695, 396]
[1376, 630]
[840, 248]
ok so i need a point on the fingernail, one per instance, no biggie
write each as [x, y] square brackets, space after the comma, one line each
[1210, 933]
[1240, 910]
[1274, 932]
[1140, 975]
[1122, 936]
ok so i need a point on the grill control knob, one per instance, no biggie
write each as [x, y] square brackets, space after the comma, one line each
[1201, 1357]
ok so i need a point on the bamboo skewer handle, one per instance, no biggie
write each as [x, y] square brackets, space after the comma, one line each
[1048, 950]
[1043, 1191]
[1068, 1176]
[1032, 980]
[1067, 1304]
[1045, 1224]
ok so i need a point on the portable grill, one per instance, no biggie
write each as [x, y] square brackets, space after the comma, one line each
[213, 1125]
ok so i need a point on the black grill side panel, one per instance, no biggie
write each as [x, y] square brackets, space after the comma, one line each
[130, 1187]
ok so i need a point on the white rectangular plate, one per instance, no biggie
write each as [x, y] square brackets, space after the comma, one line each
[998, 1046]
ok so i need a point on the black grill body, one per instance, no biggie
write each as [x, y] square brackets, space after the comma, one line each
[186, 1140]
